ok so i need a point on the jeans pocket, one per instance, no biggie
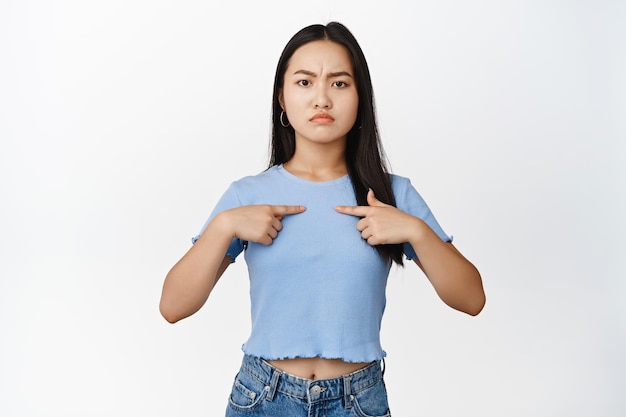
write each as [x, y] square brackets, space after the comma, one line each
[372, 401]
[247, 393]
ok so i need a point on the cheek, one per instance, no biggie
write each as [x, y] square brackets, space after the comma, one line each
[353, 100]
[354, 104]
[293, 96]
[293, 107]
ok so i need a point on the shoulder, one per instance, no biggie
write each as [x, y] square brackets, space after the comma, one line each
[252, 187]
[398, 180]
[270, 175]
[399, 184]
[405, 193]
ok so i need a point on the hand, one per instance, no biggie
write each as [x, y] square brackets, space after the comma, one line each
[381, 223]
[258, 223]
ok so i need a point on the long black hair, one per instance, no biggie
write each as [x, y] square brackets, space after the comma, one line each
[365, 157]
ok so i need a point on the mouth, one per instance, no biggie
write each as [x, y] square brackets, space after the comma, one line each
[322, 118]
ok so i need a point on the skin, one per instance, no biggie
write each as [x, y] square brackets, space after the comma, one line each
[319, 82]
[321, 102]
[455, 279]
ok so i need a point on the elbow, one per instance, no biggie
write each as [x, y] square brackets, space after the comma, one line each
[471, 305]
[170, 319]
[169, 314]
[474, 311]
[475, 297]
[476, 306]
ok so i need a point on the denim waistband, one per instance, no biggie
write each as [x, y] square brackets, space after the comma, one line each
[312, 390]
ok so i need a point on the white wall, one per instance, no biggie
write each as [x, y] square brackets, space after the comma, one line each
[121, 123]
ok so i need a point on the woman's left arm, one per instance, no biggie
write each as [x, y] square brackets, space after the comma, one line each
[455, 279]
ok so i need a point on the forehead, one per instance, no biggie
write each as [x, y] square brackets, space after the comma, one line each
[320, 55]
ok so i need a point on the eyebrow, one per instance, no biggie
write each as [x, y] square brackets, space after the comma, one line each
[330, 75]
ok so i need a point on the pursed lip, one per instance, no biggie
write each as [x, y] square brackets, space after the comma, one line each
[322, 118]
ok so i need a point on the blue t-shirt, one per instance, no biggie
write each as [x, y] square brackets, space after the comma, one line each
[319, 288]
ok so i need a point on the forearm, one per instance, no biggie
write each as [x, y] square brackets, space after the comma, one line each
[189, 282]
[455, 279]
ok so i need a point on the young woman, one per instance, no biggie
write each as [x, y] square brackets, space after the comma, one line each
[320, 229]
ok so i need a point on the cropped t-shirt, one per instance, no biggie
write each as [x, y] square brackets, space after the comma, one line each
[319, 288]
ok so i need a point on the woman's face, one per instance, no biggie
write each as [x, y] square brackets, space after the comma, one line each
[319, 94]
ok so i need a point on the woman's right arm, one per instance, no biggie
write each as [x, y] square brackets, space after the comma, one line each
[188, 284]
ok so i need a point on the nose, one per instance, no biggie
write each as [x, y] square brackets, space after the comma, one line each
[322, 101]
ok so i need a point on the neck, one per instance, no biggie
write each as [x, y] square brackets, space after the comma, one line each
[318, 162]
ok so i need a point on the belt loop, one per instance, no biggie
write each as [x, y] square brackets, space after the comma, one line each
[347, 392]
[273, 385]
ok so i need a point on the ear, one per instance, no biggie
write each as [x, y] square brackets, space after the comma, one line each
[281, 99]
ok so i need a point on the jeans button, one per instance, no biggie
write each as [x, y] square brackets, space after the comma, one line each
[315, 390]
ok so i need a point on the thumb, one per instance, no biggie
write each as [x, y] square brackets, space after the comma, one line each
[373, 201]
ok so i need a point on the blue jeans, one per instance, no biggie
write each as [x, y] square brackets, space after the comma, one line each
[261, 389]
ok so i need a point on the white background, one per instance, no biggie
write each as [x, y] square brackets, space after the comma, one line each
[122, 122]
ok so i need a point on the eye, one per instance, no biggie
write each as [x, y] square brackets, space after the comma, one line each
[304, 83]
[340, 84]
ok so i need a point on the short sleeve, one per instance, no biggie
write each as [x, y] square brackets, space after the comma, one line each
[228, 200]
[410, 201]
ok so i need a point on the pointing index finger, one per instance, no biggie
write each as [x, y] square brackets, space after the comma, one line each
[284, 210]
[360, 211]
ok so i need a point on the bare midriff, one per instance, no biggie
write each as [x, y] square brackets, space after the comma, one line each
[317, 368]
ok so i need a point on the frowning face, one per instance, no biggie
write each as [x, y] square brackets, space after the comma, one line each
[319, 94]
